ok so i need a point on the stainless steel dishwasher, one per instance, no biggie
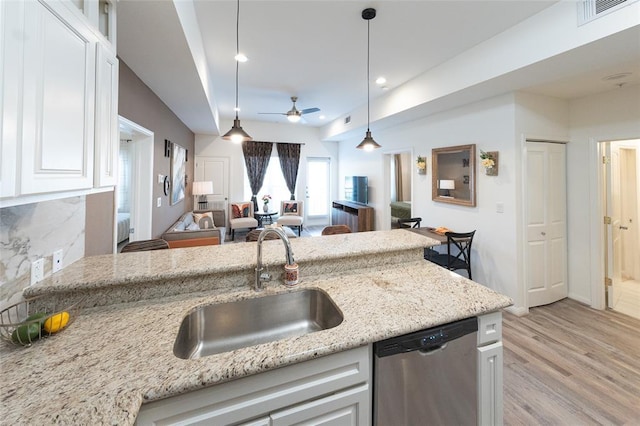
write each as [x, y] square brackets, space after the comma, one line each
[428, 377]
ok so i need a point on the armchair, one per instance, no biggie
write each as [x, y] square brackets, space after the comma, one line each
[241, 217]
[291, 214]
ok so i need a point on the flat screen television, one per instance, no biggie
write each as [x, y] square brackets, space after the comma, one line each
[356, 189]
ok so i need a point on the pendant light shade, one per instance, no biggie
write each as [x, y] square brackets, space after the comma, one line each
[368, 144]
[237, 134]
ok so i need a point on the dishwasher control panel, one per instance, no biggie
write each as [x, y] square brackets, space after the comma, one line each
[426, 339]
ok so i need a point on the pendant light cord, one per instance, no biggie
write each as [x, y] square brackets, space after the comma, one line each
[368, 66]
[237, 51]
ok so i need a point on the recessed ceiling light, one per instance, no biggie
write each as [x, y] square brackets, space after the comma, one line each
[241, 57]
[322, 117]
[618, 76]
[380, 81]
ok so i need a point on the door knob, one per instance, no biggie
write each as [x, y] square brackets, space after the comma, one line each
[543, 233]
[624, 228]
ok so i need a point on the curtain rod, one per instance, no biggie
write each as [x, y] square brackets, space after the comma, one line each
[292, 143]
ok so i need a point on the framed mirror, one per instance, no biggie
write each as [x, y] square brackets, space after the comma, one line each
[453, 178]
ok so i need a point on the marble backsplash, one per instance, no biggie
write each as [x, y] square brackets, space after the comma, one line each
[32, 231]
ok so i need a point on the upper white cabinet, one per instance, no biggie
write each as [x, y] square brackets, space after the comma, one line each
[106, 125]
[59, 94]
[11, 14]
[58, 101]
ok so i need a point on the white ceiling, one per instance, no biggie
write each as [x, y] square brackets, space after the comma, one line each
[316, 50]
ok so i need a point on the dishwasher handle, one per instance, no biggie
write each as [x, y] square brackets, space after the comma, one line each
[433, 350]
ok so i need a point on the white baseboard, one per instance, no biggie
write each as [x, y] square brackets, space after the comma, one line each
[580, 299]
[517, 310]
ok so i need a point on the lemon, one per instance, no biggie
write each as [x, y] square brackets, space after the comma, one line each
[56, 322]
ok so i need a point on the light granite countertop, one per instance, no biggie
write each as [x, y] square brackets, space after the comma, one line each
[115, 357]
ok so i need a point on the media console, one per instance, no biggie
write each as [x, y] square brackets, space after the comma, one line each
[358, 217]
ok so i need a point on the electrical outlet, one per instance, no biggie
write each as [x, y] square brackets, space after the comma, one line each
[37, 271]
[57, 261]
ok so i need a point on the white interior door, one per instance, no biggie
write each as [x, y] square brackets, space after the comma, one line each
[216, 170]
[614, 264]
[545, 207]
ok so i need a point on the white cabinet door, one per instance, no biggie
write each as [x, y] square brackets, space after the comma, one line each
[107, 135]
[58, 100]
[490, 398]
[11, 17]
[351, 407]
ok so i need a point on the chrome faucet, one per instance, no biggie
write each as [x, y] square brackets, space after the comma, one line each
[262, 277]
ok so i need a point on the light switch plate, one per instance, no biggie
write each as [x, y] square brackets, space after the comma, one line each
[159, 202]
[57, 261]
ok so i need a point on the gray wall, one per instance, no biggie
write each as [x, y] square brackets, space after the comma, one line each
[139, 104]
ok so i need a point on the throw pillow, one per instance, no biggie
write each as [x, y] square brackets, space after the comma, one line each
[193, 227]
[179, 227]
[204, 220]
[187, 219]
[240, 210]
[290, 208]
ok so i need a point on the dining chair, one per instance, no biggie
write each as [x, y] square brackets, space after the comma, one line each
[336, 229]
[460, 241]
[413, 222]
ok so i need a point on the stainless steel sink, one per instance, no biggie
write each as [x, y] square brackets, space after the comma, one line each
[222, 327]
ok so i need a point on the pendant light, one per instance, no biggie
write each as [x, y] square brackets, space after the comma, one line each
[368, 144]
[236, 134]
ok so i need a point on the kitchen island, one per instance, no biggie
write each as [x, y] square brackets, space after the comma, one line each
[116, 356]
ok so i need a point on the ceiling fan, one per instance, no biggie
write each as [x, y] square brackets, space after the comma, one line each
[294, 114]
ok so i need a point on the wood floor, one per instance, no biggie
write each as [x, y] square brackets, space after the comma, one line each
[568, 364]
[626, 298]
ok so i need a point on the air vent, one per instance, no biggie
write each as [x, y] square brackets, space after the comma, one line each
[588, 10]
[347, 119]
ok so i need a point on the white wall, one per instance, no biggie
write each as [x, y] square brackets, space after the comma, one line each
[488, 124]
[613, 115]
[207, 145]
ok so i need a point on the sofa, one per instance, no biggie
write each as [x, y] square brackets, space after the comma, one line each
[197, 228]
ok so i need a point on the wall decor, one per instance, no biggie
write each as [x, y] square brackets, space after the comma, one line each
[421, 164]
[178, 173]
[167, 148]
[490, 162]
[453, 175]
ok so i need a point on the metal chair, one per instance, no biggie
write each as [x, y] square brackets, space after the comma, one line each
[145, 245]
[335, 229]
[413, 222]
[462, 259]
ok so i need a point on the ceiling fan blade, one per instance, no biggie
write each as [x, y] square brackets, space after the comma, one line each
[309, 110]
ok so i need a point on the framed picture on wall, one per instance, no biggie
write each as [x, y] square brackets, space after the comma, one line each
[178, 173]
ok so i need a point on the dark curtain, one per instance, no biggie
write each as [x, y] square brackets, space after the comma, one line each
[289, 155]
[256, 158]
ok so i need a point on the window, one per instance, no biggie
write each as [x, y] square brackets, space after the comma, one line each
[273, 185]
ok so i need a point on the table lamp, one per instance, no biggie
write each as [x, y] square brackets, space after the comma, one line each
[447, 185]
[201, 190]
